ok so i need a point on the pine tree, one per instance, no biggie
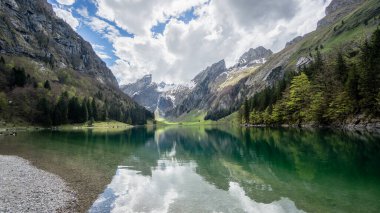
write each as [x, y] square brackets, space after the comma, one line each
[74, 110]
[369, 75]
[318, 64]
[61, 110]
[84, 111]
[106, 116]
[352, 86]
[47, 85]
[89, 108]
[94, 109]
[19, 77]
[246, 111]
[44, 117]
[341, 68]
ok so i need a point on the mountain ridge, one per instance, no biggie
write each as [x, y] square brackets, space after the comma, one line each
[181, 99]
[45, 65]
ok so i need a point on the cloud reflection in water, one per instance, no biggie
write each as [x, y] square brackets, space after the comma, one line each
[176, 187]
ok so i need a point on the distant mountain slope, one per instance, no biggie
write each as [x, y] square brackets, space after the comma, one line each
[156, 97]
[219, 91]
[31, 28]
[40, 47]
[174, 101]
[344, 28]
[215, 86]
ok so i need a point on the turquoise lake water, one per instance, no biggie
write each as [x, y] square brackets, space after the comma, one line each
[210, 168]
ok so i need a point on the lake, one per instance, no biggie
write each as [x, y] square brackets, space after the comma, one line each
[210, 168]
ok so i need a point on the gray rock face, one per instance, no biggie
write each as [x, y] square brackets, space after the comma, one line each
[201, 94]
[141, 84]
[337, 9]
[212, 92]
[160, 97]
[144, 92]
[336, 5]
[253, 56]
[31, 29]
[303, 61]
[207, 94]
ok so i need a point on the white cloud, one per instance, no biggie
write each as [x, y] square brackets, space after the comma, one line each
[83, 12]
[67, 16]
[138, 17]
[175, 185]
[103, 55]
[66, 2]
[224, 29]
[99, 49]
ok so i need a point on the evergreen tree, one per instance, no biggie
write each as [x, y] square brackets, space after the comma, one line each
[3, 102]
[240, 115]
[369, 75]
[352, 86]
[89, 108]
[47, 85]
[94, 109]
[341, 68]
[318, 64]
[74, 110]
[44, 117]
[2, 60]
[84, 111]
[19, 77]
[61, 110]
[299, 97]
[106, 117]
[246, 111]
[129, 119]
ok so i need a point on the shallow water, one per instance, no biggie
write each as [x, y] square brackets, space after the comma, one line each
[210, 169]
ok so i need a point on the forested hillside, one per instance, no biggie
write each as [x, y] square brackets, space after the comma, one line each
[345, 28]
[335, 88]
[50, 76]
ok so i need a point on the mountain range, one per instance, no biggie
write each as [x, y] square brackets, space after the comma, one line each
[218, 91]
[45, 65]
[172, 101]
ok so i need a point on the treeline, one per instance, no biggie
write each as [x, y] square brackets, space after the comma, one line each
[24, 97]
[70, 110]
[329, 90]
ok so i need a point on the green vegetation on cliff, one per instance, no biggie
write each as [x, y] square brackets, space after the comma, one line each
[33, 93]
[332, 89]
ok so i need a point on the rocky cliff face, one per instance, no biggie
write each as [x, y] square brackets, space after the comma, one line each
[253, 57]
[54, 62]
[202, 93]
[295, 53]
[224, 98]
[215, 88]
[31, 29]
[156, 97]
[337, 9]
[139, 85]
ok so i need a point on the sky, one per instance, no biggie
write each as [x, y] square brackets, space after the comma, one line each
[174, 40]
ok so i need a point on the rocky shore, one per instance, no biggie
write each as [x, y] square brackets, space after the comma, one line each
[25, 188]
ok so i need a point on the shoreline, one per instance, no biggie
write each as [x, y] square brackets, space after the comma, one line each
[370, 127]
[98, 126]
[25, 188]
